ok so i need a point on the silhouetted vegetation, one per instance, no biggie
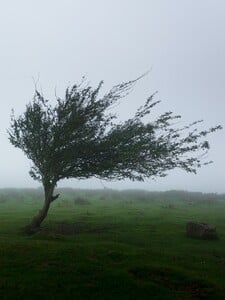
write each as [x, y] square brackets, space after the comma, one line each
[83, 195]
[81, 201]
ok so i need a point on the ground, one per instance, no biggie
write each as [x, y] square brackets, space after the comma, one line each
[111, 245]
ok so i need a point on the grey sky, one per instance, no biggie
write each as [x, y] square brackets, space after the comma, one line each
[117, 40]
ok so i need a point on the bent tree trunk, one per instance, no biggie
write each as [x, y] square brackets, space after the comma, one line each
[34, 225]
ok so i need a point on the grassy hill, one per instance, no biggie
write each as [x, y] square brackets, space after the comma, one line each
[106, 244]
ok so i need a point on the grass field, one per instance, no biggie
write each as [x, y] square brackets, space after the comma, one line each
[111, 245]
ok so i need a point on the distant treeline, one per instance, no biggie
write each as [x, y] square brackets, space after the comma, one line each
[37, 193]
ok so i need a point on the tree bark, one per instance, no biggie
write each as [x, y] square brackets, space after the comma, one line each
[35, 224]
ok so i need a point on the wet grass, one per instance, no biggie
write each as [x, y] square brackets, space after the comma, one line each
[111, 245]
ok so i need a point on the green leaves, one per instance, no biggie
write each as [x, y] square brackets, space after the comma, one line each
[79, 138]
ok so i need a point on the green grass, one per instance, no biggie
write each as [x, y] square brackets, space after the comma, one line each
[112, 245]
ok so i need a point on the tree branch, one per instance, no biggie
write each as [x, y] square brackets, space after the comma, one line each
[53, 198]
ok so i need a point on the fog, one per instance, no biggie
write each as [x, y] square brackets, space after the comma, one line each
[55, 43]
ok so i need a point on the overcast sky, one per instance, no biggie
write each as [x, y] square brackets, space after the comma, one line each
[57, 42]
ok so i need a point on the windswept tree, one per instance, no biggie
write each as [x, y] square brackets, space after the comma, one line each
[79, 138]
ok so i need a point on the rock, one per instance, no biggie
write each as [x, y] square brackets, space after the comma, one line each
[200, 230]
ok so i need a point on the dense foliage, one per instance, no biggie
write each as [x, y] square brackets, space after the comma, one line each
[78, 138]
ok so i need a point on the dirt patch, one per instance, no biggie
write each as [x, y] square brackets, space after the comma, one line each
[174, 281]
[81, 201]
[170, 206]
[66, 228]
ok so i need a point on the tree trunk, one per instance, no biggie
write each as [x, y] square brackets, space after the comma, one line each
[34, 225]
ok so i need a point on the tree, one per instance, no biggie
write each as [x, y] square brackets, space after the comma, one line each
[79, 138]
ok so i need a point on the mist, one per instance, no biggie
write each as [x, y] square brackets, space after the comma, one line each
[53, 44]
